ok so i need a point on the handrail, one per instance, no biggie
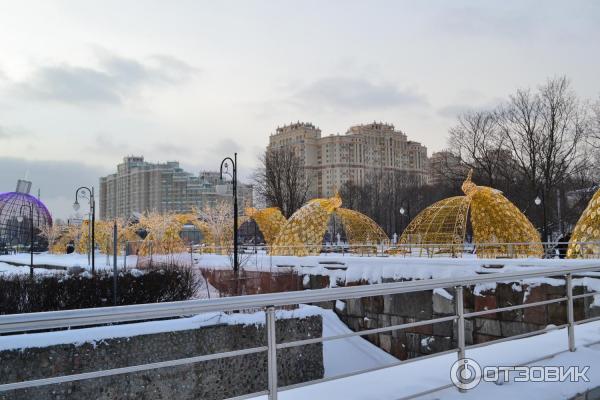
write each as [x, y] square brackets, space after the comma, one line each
[140, 312]
[268, 302]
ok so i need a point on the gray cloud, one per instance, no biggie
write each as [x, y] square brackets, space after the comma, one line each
[57, 180]
[10, 132]
[354, 94]
[489, 21]
[113, 81]
[453, 110]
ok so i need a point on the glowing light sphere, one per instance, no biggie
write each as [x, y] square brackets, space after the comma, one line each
[14, 206]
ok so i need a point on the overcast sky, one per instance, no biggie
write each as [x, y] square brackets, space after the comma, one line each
[84, 83]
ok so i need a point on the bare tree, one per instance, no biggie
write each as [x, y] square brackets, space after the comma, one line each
[595, 125]
[479, 145]
[546, 133]
[282, 180]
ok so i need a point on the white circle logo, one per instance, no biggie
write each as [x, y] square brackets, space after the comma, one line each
[465, 373]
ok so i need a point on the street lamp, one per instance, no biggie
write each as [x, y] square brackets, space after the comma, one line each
[20, 219]
[233, 176]
[402, 210]
[92, 203]
[542, 201]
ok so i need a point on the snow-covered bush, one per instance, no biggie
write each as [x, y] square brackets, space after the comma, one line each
[159, 283]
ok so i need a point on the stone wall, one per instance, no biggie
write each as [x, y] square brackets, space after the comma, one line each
[382, 311]
[215, 379]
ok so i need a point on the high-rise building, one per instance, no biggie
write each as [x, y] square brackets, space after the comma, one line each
[443, 166]
[139, 186]
[330, 161]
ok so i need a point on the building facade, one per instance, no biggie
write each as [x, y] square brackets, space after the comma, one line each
[365, 150]
[139, 186]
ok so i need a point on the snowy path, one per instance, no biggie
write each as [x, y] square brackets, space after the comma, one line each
[349, 355]
[419, 376]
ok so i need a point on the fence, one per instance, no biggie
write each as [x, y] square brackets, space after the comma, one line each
[588, 250]
[10, 324]
[429, 250]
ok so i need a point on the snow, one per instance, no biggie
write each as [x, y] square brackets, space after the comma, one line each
[7, 269]
[368, 269]
[340, 356]
[423, 375]
[97, 334]
[444, 293]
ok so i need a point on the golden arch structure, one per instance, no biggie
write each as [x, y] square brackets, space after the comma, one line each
[586, 230]
[269, 220]
[302, 234]
[499, 227]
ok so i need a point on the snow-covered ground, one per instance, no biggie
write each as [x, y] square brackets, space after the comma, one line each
[348, 268]
[420, 376]
[339, 356]
[7, 269]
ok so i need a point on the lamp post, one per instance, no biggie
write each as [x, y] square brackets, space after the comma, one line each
[403, 210]
[93, 213]
[233, 176]
[20, 219]
[542, 201]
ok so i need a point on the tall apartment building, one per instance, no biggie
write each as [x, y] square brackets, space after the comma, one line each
[442, 166]
[330, 161]
[140, 186]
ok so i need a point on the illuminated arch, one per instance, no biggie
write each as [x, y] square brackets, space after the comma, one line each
[269, 220]
[359, 228]
[587, 230]
[494, 219]
[303, 233]
[444, 222]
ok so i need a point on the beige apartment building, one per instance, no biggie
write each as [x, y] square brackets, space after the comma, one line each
[365, 150]
[139, 186]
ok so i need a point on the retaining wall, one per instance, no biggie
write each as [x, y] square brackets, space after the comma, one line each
[215, 379]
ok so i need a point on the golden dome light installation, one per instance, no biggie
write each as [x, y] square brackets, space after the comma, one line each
[269, 220]
[587, 230]
[303, 233]
[499, 227]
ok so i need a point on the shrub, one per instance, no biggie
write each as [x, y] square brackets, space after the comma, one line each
[159, 283]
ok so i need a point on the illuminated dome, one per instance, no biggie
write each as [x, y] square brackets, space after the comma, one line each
[15, 204]
[303, 233]
[584, 241]
[497, 225]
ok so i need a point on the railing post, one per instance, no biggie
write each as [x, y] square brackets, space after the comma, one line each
[570, 313]
[271, 353]
[460, 313]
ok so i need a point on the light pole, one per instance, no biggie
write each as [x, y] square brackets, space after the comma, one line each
[20, 219]
[403, 210]
[233, 176]
[93, 212]
[542, 201]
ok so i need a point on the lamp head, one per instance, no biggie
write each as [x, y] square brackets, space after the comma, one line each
[402, 210]
[76, 205]
[20, 218]
[537, 201]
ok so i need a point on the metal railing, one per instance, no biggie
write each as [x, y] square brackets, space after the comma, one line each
[589, 249]
[11, 324]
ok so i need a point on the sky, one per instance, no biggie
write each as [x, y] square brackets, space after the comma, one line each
[85, 83]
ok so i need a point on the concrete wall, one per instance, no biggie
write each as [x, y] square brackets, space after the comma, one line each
[217, 379]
